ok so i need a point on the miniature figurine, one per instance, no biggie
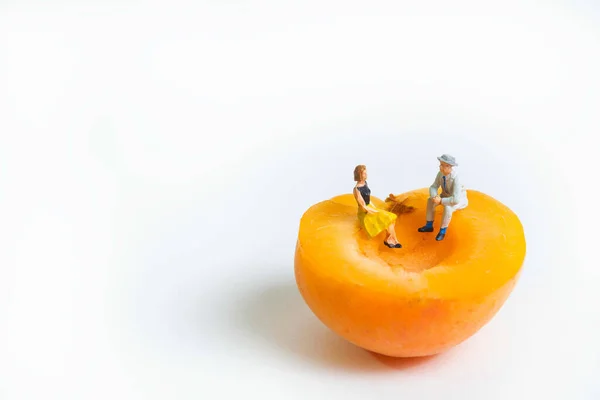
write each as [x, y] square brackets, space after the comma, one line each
[373, 220]
[453, 196]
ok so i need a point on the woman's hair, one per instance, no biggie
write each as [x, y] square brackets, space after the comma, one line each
[358, 171]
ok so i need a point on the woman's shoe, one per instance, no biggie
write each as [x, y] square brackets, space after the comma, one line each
[393, 246]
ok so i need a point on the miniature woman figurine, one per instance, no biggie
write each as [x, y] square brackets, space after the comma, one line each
[373, 220]
[453, 196]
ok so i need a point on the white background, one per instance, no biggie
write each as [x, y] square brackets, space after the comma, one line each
[156, 158]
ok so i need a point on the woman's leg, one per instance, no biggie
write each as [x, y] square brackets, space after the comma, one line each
[392, 233]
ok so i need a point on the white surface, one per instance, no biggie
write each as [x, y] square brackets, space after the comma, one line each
[156, 160]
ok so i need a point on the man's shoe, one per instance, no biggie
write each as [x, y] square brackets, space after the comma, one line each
[426, 229]
[440, 236]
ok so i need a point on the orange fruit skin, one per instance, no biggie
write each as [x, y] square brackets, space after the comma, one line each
[416, 301]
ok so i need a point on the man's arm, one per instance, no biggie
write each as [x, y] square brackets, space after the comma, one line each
[433, 189]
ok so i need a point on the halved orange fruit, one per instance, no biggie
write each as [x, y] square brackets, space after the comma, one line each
[421, 299]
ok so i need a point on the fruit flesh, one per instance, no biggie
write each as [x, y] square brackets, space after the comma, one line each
[418, 300]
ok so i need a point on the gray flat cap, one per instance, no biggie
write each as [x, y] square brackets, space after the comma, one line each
[448, 159]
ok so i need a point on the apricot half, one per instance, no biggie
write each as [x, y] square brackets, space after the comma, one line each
[421, 299]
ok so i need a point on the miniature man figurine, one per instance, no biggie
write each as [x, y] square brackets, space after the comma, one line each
[453, 196]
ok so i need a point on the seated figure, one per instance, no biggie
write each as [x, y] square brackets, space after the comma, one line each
[453, 196]
[372, 219]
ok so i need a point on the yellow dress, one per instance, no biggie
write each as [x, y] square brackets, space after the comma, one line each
[375, 223]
